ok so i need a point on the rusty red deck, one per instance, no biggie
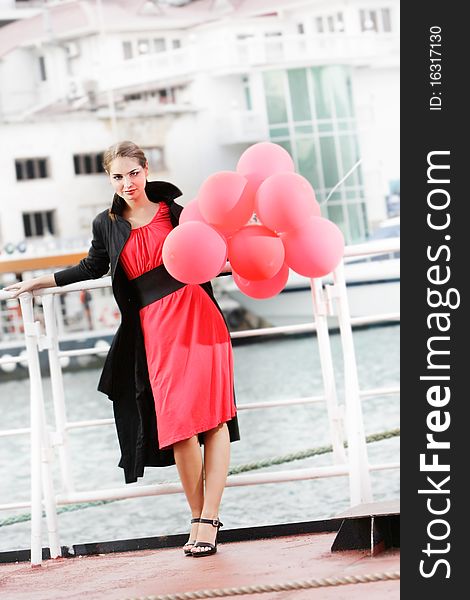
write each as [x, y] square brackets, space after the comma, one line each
[118, 576]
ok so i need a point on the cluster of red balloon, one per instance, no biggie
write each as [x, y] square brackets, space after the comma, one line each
[217, 224]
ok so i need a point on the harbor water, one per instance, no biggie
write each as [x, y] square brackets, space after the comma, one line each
[275, 369]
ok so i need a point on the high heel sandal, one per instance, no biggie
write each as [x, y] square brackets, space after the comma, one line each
[213, 547]
[190, 543]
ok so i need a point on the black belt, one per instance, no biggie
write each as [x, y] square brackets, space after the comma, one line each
[154, 285]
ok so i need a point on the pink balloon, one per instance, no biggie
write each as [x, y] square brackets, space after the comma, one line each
[262, 160]
[194, 252]
[191, 212]
[265, 288]
[256, 252]
[223, 201]
[315, 249]
[284, 201]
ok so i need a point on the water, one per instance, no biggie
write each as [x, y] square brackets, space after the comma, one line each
[274, 369]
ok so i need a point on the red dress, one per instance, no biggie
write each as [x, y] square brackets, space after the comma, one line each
[188, 348]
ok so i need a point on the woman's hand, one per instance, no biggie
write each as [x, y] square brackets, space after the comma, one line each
[30, 284]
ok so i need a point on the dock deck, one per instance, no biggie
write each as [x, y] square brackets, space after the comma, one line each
[152, 572]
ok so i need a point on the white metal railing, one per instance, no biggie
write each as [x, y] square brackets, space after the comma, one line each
[354, 463]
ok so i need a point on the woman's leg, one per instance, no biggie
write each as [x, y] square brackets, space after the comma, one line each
[188, 458]
[216, 464]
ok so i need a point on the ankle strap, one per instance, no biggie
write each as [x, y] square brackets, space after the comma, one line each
[214, 522]
[196, 520]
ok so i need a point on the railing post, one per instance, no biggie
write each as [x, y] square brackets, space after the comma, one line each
[326, 361]
[359, 476]
[41, 477]
[49, 303]
[26, 301]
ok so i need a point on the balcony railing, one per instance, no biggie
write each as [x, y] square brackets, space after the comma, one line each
[236, 56]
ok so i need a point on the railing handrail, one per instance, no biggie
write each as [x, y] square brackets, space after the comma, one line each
[364, 249]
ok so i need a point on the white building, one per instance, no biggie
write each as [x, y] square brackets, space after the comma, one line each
[195, 83]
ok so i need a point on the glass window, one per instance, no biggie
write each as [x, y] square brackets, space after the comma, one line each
[331, 24]
[299, 94]
[31, 168]
[27, 226]
[38, 223]
[300, 28]
[19, 170]
[368, 20]
[307, 161]
[356, 223]
[348, 155]
[286, 145]
[320, 92]
[329, 161]
[87, 164]
[42, 68]
[303, 129]
[143, 47]
[247, 92]
[42, 167]
[127, 50]
[319, 25]
[336, 214]
[159, 45]
[176, 44]
[279, 131]
[275, 97]
[339, 26]
[386, 22]
[30, 174]
[339, 85]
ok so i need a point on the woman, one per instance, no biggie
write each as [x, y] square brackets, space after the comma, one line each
[169, 370]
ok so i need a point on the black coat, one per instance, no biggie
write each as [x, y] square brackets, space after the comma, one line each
[124, 378]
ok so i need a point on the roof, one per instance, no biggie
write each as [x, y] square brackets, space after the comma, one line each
[79, 17]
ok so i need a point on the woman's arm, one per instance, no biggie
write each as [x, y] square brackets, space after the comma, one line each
[30, 285]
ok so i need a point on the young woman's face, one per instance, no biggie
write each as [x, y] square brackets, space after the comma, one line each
[128, 178]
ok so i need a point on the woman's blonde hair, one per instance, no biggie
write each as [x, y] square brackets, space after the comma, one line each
[124, 149]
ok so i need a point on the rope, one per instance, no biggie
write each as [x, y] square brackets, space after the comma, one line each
[276, 587]
[236, 470]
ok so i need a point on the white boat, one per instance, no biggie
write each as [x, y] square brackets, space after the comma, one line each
[373, 283]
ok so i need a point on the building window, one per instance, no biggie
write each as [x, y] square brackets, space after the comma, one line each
[31, 168]
[127, 50]
[176, 44]
[300, 28]
[247, 92]
[87, 164]
[163, 96]
[143, 47]
[378, 21]
[331, 23]
[155, 158]
[42, 68]
[39, 223]
[159, 44]
[311, 114]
